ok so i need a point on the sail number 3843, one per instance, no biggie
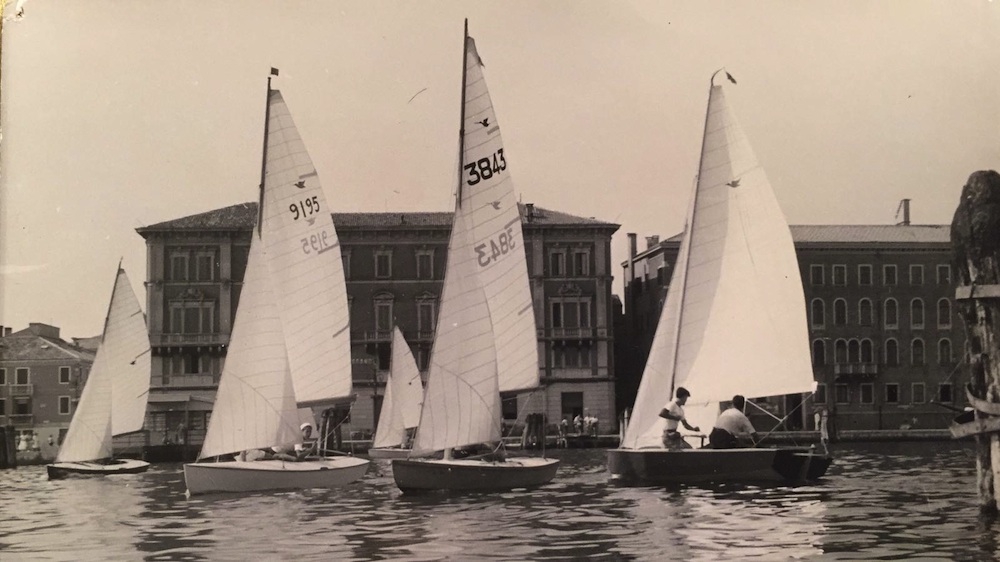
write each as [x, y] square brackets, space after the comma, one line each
[489, 252]
[484, 168]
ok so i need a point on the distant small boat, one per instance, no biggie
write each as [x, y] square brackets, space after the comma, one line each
[485, 339]
[734, 322]
[290, 337]
[400, 413]
[115, 394]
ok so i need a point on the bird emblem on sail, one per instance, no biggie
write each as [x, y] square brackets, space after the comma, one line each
[734, 183]
[495, 204]
[301, 184]
[485, 122]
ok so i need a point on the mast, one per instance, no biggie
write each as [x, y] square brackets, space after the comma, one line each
[687, 258]
[263, 160]
[461, 123]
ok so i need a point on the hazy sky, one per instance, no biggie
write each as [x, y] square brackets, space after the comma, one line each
[119, 114]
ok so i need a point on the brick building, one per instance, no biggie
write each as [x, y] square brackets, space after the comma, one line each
[41, 378]
[885, 337]
[394, 266]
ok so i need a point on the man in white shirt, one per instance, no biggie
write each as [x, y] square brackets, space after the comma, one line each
[673, 412]
[731, 426]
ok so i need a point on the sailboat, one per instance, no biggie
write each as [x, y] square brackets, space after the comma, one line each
[484, 342]
[290, 346]
[734, 322]
[114, 398]
[400, 413]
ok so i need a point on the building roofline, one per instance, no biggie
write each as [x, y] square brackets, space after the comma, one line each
[242, 217]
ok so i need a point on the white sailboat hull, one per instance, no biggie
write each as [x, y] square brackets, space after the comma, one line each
[698, 466]
[266, 475]
[96, 468]
[423, 475]
[384, 453]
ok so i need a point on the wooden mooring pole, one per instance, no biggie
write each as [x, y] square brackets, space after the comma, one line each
[975, 240]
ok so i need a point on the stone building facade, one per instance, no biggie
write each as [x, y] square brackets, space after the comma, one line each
[41, 378]
[394, 266]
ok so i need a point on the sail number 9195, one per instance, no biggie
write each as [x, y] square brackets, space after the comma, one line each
[315, 241]
[488, 252]
[484, 168]
[304, 208]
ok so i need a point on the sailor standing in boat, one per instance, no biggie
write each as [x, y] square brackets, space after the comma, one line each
[673, 412]
[732, 426]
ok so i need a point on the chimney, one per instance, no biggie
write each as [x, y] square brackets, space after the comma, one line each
[6, 331]
[904, 206]
[631, 245]
[529, 211]
[652, 241]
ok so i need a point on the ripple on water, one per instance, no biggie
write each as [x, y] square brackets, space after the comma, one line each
[879, 502]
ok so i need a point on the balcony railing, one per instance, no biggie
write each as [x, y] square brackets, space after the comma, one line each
[371, 336]
[855, 368]
[573, 333]
[21, 419]
[189, 339]
[175, 381]
[21, 389]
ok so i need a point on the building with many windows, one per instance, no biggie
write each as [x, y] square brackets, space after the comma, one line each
[884, 334]
[394, 265]
[41, 378]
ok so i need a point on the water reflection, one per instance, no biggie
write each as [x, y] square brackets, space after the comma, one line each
[879, 502]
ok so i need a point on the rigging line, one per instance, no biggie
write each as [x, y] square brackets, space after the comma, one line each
[782, 420]
[520, 411]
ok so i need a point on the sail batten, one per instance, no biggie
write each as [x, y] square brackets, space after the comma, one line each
[734, 320]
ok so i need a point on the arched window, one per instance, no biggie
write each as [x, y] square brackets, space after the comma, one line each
[865, 312]
[867, 352]
[944, 351]
[840, 352]
[853, 352]
[891, 313]
[819, 353]
[944, 313]
[840, 312]
[917, 313]
[818, 315]
[917, 351]
[891, 352]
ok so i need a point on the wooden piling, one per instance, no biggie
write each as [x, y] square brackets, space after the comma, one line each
[8, 447]
[975, 240]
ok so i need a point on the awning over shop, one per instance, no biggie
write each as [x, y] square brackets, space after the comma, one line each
[162, 401]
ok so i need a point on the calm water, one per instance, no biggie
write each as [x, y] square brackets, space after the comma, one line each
[879, 502]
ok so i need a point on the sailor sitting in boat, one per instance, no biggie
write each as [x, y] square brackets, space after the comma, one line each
[673, 412]
[733, 427]
[297, 453]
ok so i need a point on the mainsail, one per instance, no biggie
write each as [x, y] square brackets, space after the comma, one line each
[485, 340]
[403, 396]
[734, 321]
[255, 404]
[304, 260]
[489, 202]
[114, 398]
